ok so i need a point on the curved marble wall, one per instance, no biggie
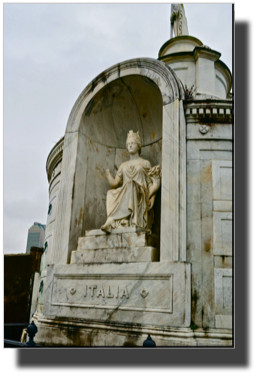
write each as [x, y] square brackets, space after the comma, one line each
[53, 169]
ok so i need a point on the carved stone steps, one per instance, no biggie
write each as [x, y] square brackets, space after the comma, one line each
[115, 255]
[121, 230]
[125, 240]
[123, 245]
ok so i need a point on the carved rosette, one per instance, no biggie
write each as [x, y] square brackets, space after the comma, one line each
[204, 129]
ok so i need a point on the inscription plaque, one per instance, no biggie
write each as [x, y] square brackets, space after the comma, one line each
[152, 293]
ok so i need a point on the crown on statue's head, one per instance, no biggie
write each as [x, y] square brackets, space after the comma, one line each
[136, 135]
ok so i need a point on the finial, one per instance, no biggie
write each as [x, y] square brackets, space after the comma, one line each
[178, 21]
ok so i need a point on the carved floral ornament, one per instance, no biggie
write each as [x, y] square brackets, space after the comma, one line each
[144, 293]
[204, 129]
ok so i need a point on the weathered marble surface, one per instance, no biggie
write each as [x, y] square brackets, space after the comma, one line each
[124, 230]
[223, 205]
[197, 65]
[173, 203]
[53, 332]
[215, 130]
[109, 123]
[207, 191]
[129, 244]
[222, 175]
[139, 293]
[223, 261]
[222, 233]
[223, 291]
[205, 71]
[118, 240]
[35, 292]
[223, 322]
[115, 255]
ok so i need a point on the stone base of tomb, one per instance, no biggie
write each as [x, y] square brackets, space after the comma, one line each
[115, 292]
[54, 332]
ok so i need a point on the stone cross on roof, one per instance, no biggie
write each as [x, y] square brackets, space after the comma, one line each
[178, 21]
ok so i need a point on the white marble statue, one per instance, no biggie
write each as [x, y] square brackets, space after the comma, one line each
[178, 21]
[131, 203]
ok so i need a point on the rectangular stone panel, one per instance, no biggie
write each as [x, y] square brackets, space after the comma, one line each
[120, 292]
[222, 205]
[223, 322]
[222, 234]
[222, 179]
[223, 291]
[221, 131]
[209, 150]
[139, 293]
[227, 291]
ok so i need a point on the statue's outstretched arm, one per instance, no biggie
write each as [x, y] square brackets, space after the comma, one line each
[153, 188]
[114, 182]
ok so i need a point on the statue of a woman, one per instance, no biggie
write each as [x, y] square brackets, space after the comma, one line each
[129, 205]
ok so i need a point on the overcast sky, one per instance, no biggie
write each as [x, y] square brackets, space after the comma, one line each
[51, 52]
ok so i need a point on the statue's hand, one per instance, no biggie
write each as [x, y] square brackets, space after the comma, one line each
[156, 181]
[114, 182]
[151, 202]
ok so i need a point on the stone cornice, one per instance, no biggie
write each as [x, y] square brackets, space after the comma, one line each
[203, 52]
[54, 157]
[182, 38]
[188, 55]
[209, 110]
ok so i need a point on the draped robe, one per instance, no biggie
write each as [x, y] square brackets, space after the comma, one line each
[131, 200]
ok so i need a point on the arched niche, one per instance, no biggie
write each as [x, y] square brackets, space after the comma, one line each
[142, 95]
[129, 103]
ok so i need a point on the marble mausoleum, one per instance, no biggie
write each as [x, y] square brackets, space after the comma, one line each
[146, 247]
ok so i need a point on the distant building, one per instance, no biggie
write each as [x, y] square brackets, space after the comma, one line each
[36, 236]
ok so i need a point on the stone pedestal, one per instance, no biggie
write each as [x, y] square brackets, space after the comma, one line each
[113, 283]
[123, 245]
[148, 295]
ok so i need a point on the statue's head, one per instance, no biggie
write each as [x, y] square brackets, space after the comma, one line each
[135, 137]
